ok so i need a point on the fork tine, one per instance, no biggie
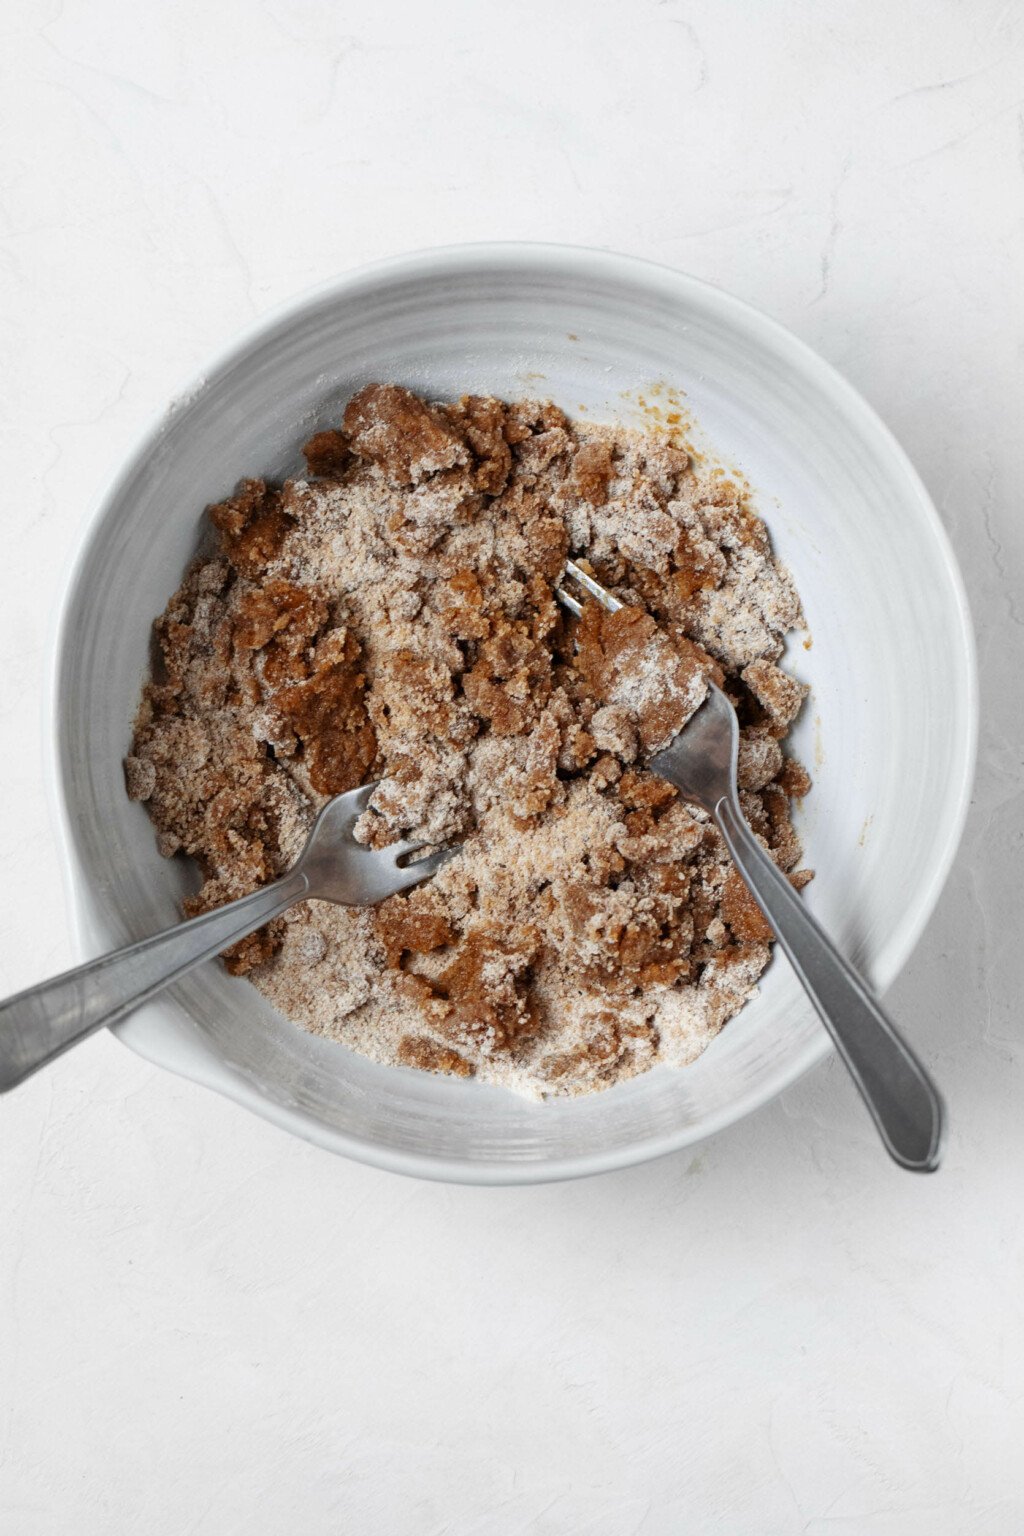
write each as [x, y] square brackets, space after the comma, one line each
[422, 869]
[403, 847]
[569, 602]
[595, 589]
[361, 797]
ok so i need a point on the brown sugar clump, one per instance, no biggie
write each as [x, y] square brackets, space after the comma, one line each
[793, 779]
[628, 939]
[760, 758]
[483, 422]
[412, 925]
[265, 613]
[640, 788]
[139, 777]
[782, 837]
[778, 694]
[598, 1050]
[418, 1051]
[394, 428]
[697, 566]
[592, 470]
[393, 617]
[626, 659]
[741, 913]
[486, 990]
[281, 620]
[511, 680]
[464, 615]
[327, 454]
[252, 526]
[327, 712]
[414, 694]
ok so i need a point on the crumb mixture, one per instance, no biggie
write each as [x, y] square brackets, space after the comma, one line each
[392, 616]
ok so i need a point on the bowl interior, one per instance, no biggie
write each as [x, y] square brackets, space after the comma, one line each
[887, 734]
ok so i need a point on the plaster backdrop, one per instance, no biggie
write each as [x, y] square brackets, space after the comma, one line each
[208, 1328]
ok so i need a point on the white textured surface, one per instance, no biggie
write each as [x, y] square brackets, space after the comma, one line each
[208, 1328]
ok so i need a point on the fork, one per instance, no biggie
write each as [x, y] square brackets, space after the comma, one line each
[39, 1024]
[701, 762]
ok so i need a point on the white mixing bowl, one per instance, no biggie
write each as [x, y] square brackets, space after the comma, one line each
[889, 731]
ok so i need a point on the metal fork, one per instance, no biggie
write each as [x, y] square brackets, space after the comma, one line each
[42, 1022]
[701, 762]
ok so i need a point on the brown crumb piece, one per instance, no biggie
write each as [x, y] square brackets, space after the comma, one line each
[741, 913]
[511, 680]
[485, 990]
[428, 1056]
[139, 777]
[778, 694]
[626, 939]
[414, 694]
[640, 788]
[327, 454]
[408, 438]
[626, 659]
[592, 470]
[782, 837]
[614, 729]
[265, 613]
[412, 925]
[760, 758]
[483, 423]
[464, 613]
[327, 712]
[600, 1048]
[281, 620]
[793, 779]
[252, 526]
[697, 565]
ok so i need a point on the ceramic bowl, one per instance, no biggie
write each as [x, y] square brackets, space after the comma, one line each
[888, 733]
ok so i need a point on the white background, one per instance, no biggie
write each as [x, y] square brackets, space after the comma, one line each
[208, 1328]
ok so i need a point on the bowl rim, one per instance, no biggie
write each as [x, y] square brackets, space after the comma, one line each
[440, 261]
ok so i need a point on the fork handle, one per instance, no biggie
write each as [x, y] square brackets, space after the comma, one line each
[903, 1101]
[40, 1023]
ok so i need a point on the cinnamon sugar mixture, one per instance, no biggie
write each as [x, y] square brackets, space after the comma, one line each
[392, 616]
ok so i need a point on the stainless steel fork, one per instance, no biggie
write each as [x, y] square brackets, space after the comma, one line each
[701, 762]
[42, 1022]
